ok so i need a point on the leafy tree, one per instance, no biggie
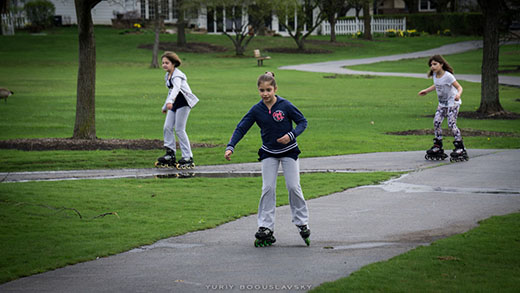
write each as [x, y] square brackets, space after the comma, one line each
[296, 16]
[85, 125]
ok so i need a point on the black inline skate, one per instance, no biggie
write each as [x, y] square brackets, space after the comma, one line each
[305, 233]
[459, 154]
[264, 237]
[185, 164]
[436, 152]
[168, 160]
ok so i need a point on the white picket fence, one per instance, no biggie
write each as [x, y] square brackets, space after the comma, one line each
[378, 25]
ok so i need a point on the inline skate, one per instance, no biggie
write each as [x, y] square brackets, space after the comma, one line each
[168, 160]
[185, 164]
[459, 154]
[264, 237]
[305, 233]
[436, 152]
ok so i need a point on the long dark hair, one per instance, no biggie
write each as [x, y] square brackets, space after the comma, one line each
[445, 65]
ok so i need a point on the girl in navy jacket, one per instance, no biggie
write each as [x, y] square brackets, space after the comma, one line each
[275, 116]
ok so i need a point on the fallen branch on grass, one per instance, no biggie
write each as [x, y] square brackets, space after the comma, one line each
[60, 209]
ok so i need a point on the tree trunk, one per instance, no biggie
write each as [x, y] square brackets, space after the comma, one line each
[412, 5]
[300, 41]
[489, 99]
[181, 25]
[157, 29]
[85, 125]
[367, 35]
[332, 21]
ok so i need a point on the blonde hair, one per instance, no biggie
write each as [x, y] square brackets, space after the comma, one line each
[172, 57]
[268, 76]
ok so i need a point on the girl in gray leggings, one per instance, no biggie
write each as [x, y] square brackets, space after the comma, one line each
[177, 108]
[275, 116]
[448, 94]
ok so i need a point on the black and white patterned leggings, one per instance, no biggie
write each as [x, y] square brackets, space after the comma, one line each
[451, 113]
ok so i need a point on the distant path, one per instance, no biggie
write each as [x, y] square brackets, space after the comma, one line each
[338, 66]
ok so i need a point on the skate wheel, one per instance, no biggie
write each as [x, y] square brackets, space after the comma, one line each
[426, 157]
[156, 165]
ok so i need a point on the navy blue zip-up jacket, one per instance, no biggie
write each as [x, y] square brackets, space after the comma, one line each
[273, 124]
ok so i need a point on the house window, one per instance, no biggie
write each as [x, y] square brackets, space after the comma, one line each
[425, 5]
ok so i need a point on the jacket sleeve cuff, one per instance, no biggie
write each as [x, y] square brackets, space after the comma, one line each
[291, 135]
[230, 148]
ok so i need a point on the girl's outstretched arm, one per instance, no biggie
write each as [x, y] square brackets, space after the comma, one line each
[459, 90]
[228, 154]
[427, 90]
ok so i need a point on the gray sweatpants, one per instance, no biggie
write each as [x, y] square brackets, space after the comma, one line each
[267, 205]
[177, 120]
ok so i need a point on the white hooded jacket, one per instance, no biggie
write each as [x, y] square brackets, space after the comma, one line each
[179, 83]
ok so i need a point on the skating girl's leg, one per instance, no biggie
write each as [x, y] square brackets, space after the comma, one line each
[267, 205]
[291, 171]
[437, 122]
[453, 112]
[169, 125]
[181, 118]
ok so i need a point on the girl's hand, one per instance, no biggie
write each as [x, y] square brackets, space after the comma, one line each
[169, 106]
[284, 139]
[423, 93]
[457, 97]
[228, 154]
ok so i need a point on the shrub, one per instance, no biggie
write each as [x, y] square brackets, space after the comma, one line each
[40, 13]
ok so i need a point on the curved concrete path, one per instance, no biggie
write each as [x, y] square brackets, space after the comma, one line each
[384, 161]
[338, 66]
[349, 230]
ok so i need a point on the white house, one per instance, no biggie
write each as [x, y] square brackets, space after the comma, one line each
[211, 19]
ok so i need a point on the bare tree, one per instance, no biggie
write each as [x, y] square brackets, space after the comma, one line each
[489, 100]
[412, 5]
[181, 23]
[331, 8]
[85, 125]
[157, 29]
[298, 18]
[367, 34]
[244, 18]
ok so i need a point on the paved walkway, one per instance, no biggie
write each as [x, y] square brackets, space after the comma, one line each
[395, 161]
[350, 229]
[338, 66]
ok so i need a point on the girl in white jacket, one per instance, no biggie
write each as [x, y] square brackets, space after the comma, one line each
[177, 108]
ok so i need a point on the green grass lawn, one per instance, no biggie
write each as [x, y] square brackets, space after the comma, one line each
[41, 228]
[484, 259]
[346, 114]
[41, 70]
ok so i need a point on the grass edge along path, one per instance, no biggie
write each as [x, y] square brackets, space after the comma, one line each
[484, 259]
[41, 228]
